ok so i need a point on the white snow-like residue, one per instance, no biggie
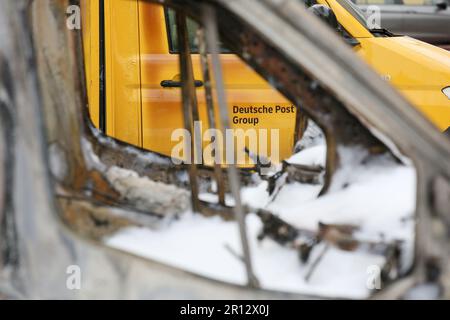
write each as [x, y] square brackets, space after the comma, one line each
[380, 199]
[312, 156]
[156, 197]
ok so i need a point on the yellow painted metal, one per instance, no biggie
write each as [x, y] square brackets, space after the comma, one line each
[418, 70]
[122, 71]
[90, 30]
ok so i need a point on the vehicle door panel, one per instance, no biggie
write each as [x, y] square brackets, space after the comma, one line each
[161, 107]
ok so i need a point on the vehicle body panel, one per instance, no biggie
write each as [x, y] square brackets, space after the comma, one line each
[423, 87]
[419, 70]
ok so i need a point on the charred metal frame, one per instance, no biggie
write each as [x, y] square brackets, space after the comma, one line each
[211, 111]
[59, 146]
[190, 107]
[212, 40]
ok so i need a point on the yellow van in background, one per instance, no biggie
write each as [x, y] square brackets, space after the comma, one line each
[142, 82]
[132, 72]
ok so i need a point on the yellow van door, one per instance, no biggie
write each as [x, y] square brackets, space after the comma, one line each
[161, 98]
[142, 97]
[110, 32]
